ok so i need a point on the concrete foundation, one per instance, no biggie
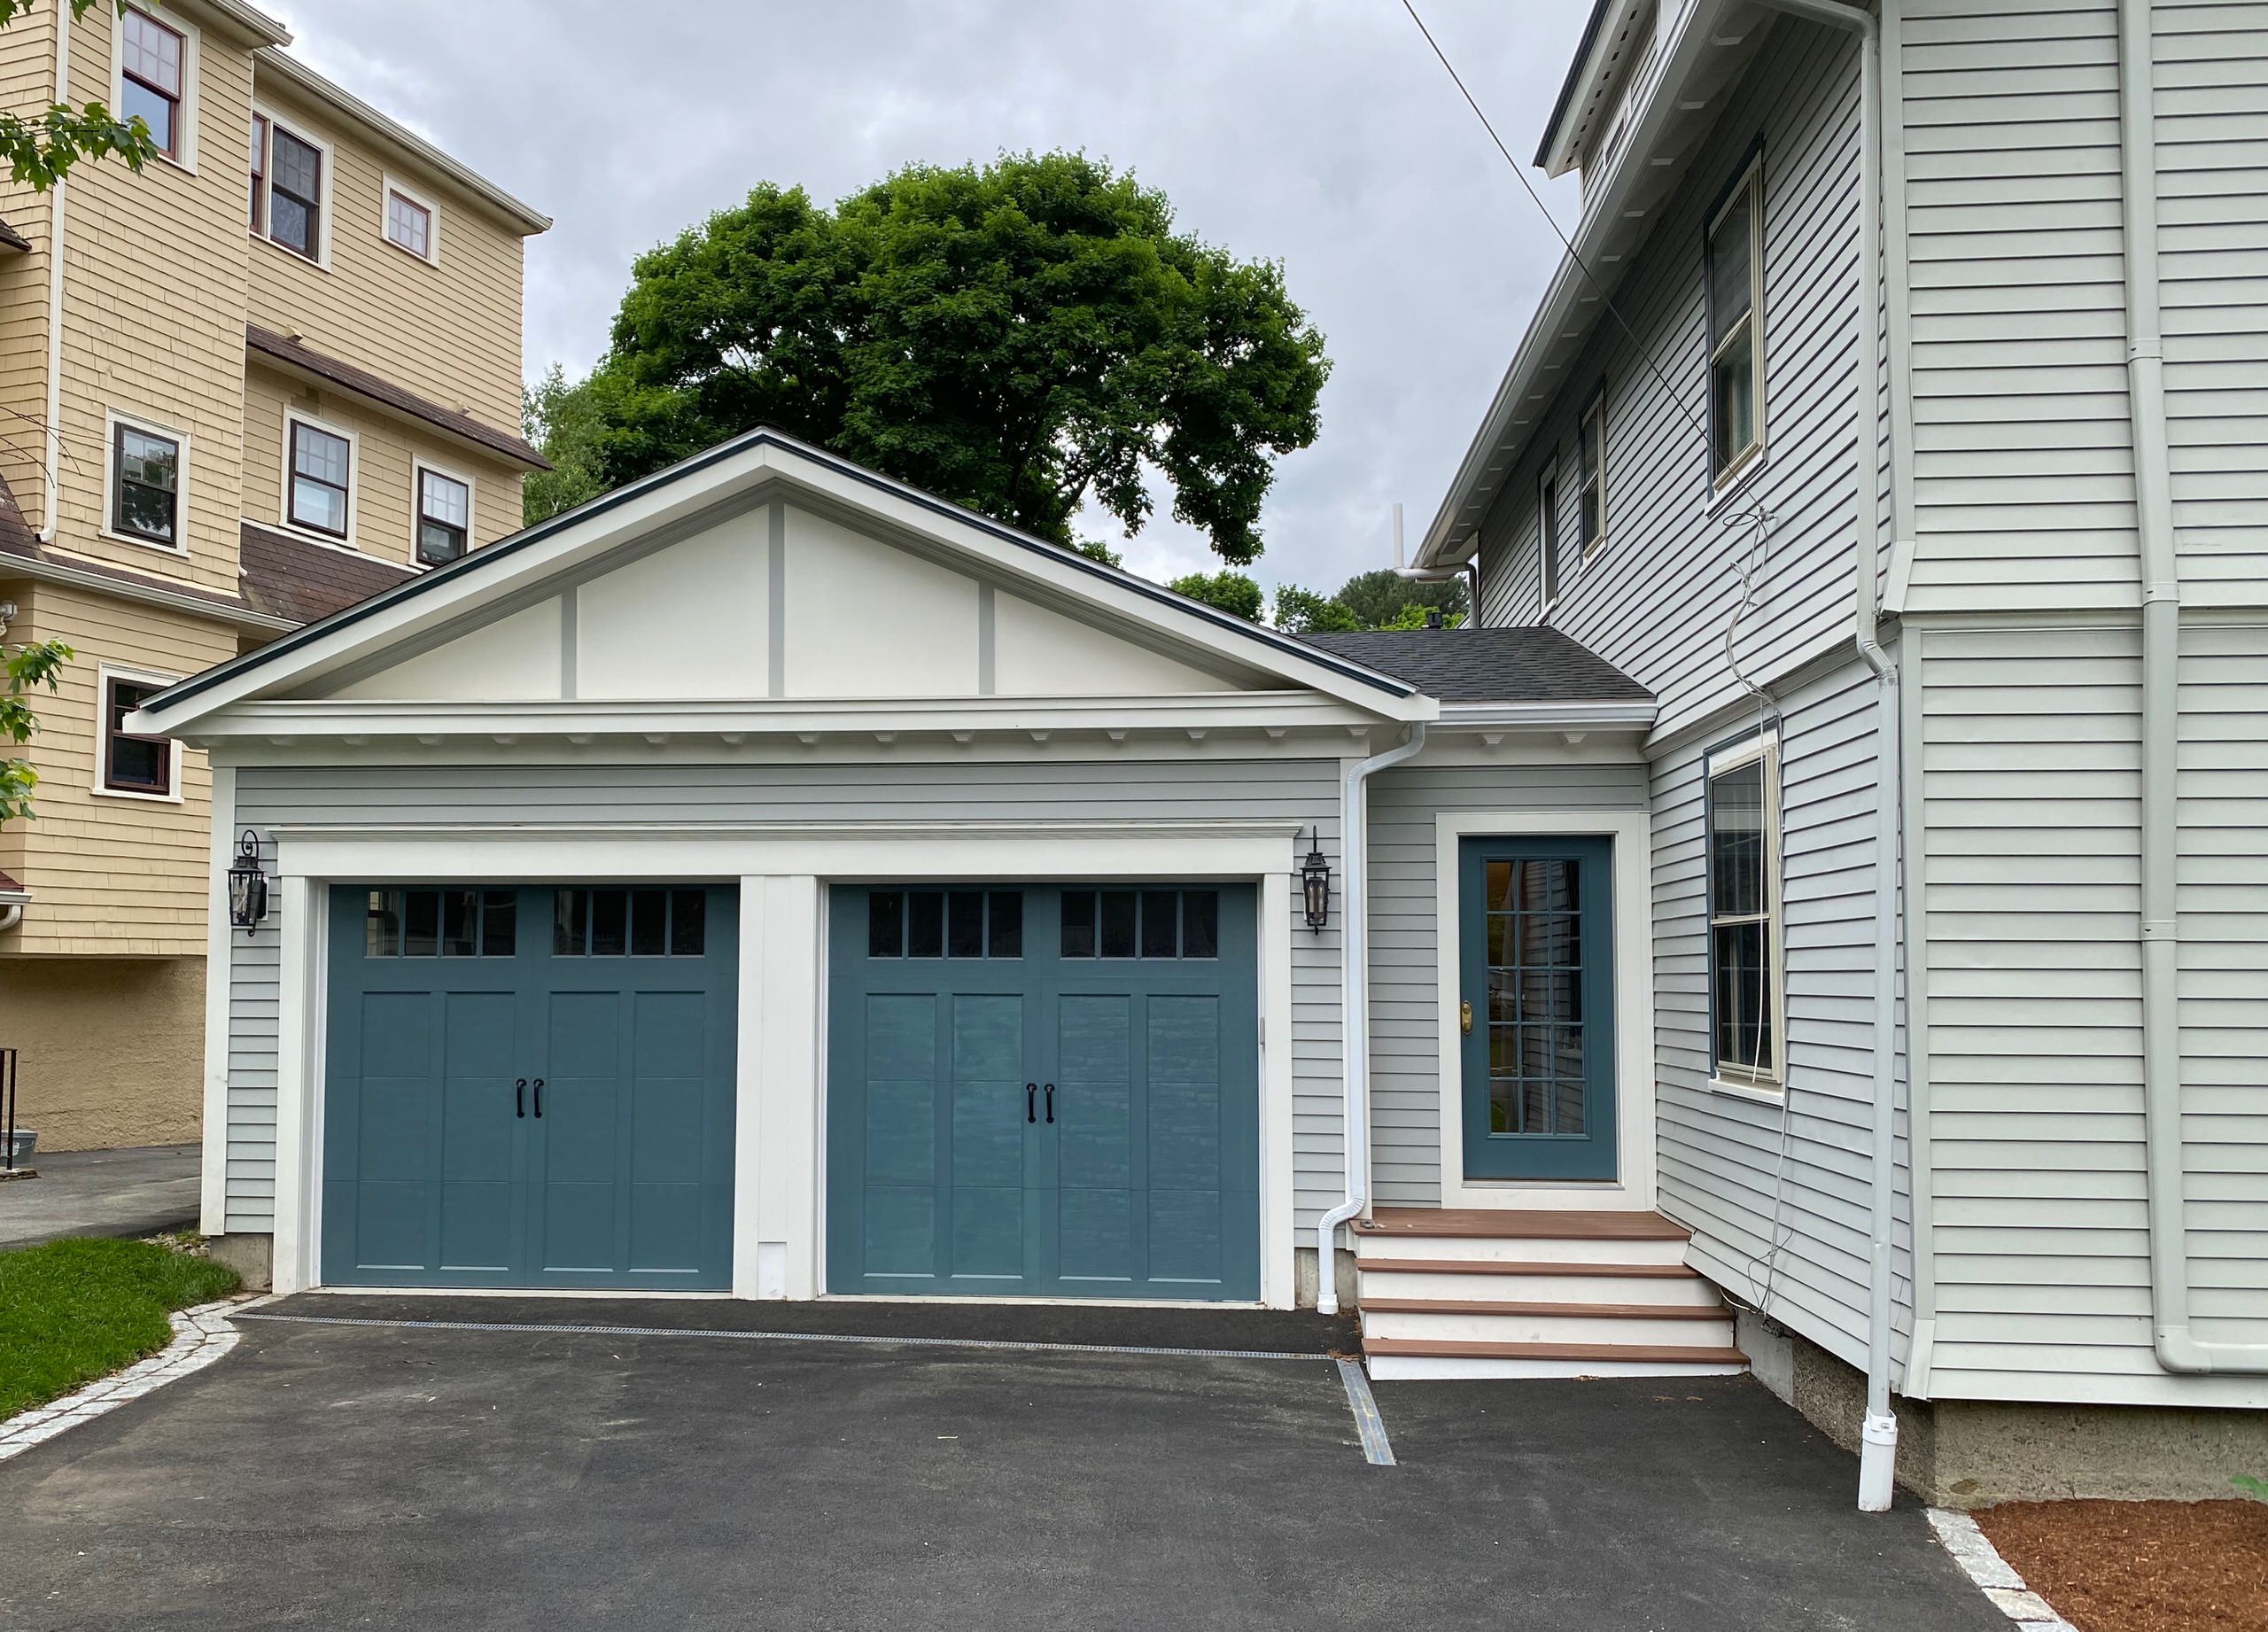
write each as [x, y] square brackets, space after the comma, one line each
[1304, 1281]
[252, 1256]
[1972, 1453]
[111, 1051]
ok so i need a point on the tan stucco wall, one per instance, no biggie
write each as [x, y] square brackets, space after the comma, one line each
[110, 1050]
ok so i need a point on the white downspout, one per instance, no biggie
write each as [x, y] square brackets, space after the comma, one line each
[1878, 1433]
[1354, 999]
[2177, 1350]
[53, 474]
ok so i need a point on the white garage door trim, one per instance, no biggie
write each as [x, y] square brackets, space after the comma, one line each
[778, 1202]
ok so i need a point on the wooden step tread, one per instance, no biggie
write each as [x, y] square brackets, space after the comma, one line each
[1445, 1348]
[1473, 1266]
[1604, 1311]
[1527, 1222]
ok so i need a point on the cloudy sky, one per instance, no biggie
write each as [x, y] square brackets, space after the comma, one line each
[1321, 133]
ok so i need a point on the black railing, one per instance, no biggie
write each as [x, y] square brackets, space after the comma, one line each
[7, 1110]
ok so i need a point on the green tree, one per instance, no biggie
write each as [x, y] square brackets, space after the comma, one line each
[1385, 600]
[1230, 592]
[26, 668]
[42, 147]
[564, 422]
[1024, 339]
[1302, 612]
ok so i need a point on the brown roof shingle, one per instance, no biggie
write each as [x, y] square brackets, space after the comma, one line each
[362, 383]
[291, 578]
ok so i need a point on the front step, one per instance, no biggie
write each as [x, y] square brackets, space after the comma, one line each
[1458, 1293]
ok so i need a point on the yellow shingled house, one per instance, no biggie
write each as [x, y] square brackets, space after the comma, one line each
[276, 371]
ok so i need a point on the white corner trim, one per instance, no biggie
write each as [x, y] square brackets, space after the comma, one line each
[1995, 1577]
[201, 1335]
[1634, 1002]
[212, 1203]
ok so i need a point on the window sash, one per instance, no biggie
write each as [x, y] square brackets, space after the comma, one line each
[322, 466]
[295, 179]
[1590, 501]
[145, 495]
[1735, 335]
[1747, 994]
[409, 224]
[258, 216]
[1548, 539]
[444, 517]
[151, 57]
[133, 763]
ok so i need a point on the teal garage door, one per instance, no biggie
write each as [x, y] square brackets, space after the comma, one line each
[530, 1087]
[1044, 1090]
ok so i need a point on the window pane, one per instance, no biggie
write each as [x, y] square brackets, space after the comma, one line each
[1005, 926]
[1200, 923]
[320, 455]
[422, 923]
[1728, 271]
[437, 545]
[650, 923]
[156, 110]
[609, 922]
[381, 928]
[408, 224]
[925, 913]
[1737, 841]
[570, 923]
[688, 923]
[885, 924]
[1118, 924]
[444, 499]
[290, 222]
[314, 505]
[134, 764]
[1161, 923]
[965, 924]
[150, 50]
[1079, 923]
[1732, 402]
[460, 923]
[1739, 955]
[298, 166]
[500, 918]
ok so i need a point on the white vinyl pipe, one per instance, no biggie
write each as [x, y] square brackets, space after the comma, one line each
[52, 477]
[1354, 997]
[1878, 1431]
[2176, 1348]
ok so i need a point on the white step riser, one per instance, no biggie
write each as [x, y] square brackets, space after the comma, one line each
[1419, 1368]
[1566, 1329]
[1684, 1292]
[1520, 1249]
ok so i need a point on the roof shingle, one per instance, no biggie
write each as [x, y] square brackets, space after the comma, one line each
[291, 578]
[1527, 665]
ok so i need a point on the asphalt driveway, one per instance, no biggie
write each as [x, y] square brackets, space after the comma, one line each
[403, 1476]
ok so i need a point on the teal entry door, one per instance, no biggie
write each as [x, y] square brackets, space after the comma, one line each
[1044, 1090]
[1536, 1015]
[530, 1087]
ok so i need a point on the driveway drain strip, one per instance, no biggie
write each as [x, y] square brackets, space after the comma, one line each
[1376, 1447]
[1016, 1345]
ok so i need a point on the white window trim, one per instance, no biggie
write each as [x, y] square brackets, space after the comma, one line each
[418, 465]
[184, 154]
[1735, 1079]
[1751, 180]
[111, 420]
[327, 213]
[295, 417]
[389, 185]
[1594, 403]
[104, 674]
[1548, 522]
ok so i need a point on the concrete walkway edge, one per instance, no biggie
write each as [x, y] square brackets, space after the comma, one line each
[1995, 1577]
[201, 1335]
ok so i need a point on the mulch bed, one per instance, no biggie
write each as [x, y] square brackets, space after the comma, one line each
[2140, 1566]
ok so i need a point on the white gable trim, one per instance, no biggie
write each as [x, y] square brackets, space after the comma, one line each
[502, 577]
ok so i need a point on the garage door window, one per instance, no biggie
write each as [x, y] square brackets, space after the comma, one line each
[441, 923]
[1141, 923]
[636, 923]
[945, 923]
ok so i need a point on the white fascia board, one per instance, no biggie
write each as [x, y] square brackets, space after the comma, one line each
[1554, 715]
[515, 569]
[1695, 44]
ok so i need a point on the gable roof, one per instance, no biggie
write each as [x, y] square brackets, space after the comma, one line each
[1536, 663]
[578, 539]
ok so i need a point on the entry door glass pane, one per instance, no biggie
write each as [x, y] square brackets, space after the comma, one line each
[1534, 997]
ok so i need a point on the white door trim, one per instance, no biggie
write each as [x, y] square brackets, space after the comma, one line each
[1634, 1008]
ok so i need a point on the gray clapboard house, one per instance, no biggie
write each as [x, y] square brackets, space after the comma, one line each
[770, 880]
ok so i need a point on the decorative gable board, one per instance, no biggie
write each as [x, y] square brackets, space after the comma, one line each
[779, 601]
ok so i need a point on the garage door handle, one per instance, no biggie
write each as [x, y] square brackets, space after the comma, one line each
[520, 1097]
[1029, 1115]
[539, 1099]
[1050, 1091]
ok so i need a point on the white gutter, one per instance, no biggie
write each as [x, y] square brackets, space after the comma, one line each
[54, 472]
[2177, 1350]
[1354, 997]
[1878, 1433]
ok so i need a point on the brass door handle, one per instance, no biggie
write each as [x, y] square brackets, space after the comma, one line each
[1464, 1018]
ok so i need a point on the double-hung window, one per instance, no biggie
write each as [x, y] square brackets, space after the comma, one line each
[1547, 526]
[145, 484]
[142, 765]
[321, 479]
[1746, 1001]
[287, 188]
[443, 516]
[1735, 300]
[151, 57]
[1590, 498]
[409, 223]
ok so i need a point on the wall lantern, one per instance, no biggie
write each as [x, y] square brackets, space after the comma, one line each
[247, 885]
[1315, 885]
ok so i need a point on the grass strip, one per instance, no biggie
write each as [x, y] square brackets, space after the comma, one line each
[75, 1310]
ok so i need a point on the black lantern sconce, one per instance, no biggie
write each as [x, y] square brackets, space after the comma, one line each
[1315, 885]
[247, 885]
